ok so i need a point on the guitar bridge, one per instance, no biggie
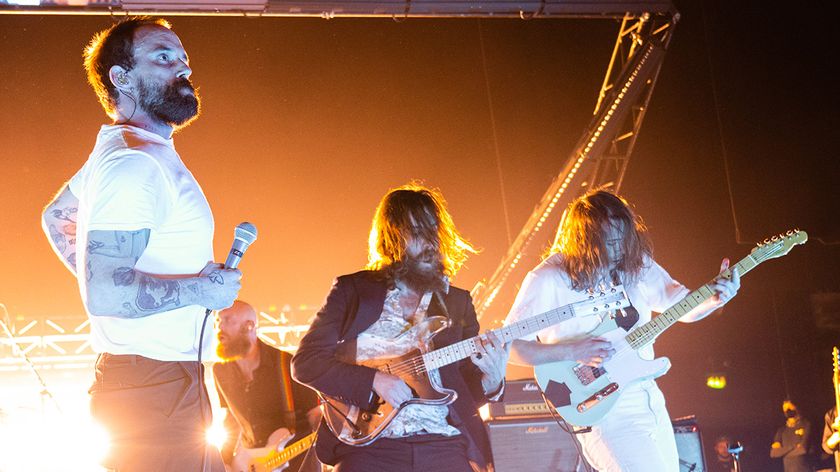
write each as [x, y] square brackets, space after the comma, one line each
[597, 397]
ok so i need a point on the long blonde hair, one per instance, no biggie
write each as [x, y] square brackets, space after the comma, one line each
[580, 238]
[413, 209]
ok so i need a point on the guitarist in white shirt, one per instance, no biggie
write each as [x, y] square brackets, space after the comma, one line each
[600, 242]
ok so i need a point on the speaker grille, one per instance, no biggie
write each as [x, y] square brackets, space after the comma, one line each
[532, 445]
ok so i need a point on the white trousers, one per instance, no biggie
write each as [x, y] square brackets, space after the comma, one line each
[636, 436]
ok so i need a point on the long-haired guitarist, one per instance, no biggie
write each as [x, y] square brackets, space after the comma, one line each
[414, 248]
[601, 241]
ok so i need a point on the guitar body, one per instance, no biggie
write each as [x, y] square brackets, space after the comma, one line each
[367, 425]
[583, 395]
[257, 459]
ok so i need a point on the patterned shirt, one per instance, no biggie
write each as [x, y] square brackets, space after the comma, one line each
[390, 337]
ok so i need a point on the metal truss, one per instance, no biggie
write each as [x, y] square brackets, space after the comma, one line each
[397, 9]
[601, 155]
[63, 342]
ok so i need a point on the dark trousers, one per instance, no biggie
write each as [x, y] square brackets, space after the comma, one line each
[156, 414]
[422, 453]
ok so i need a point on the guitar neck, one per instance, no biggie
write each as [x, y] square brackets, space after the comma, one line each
[463, 349]
[288, 453]
[647, 333]
[835, 358]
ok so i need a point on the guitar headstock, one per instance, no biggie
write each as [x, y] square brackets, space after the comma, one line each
[835, 358]
[778, 245]
[603, 301]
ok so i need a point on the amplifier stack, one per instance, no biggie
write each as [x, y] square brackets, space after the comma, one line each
[525, 436]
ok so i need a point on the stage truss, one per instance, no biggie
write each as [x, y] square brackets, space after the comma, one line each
[63, 342]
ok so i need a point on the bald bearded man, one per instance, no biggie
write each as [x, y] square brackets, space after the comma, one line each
[262, 402]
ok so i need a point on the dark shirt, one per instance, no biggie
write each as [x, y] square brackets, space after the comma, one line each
[794, 458]
[718, 465]
[262, 406]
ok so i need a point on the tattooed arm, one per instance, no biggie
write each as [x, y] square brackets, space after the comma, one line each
[114, 288]
[59, 224]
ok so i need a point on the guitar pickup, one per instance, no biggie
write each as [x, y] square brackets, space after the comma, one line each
[597, 397]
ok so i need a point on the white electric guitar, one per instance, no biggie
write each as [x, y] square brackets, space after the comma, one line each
[583, 395]
[274, 457]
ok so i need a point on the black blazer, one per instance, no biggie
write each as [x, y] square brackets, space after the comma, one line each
[354, 303]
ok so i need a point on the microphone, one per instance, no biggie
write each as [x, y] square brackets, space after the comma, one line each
[243, 236]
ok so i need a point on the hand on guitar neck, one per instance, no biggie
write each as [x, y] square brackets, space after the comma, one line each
[725, 286]
[491, 359]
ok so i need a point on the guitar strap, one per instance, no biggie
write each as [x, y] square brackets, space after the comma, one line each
[287, 401]
[627, 317]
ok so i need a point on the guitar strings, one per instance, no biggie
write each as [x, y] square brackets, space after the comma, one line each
[416, 365]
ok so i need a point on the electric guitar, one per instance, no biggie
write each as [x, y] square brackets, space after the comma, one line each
[835, 357]
[274, 457]
[583, 395]
[359, 427]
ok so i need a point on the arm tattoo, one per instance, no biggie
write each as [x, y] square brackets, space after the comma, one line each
[125, 244]
[155, 294]
[64, 240]
[130, 311]
[58, 238]
[123, 276]
[66, 214]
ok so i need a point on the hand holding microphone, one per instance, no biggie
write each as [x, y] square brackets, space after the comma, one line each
[222, 283]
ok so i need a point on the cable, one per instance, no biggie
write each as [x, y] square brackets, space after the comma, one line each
[565, 426]
[724, 154]
[201, 387]
[495, 135]
[779, 345]
[133, 109]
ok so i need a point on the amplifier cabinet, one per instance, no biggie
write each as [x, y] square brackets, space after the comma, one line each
[532, 445]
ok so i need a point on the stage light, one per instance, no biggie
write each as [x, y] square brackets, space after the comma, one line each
[717, 381]
[216, 433]
[74, 442]
[484, 411]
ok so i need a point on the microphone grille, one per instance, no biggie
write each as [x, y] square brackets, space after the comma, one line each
[245, 231]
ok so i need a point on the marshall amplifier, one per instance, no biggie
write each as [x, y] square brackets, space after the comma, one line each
[532, 445]
[522, 399]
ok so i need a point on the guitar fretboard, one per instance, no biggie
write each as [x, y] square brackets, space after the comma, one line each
[281, 457]
[647, 333]
[461, 350]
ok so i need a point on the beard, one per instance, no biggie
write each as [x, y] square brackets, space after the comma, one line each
[168, 104]
[235, 346]
[421, 273]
